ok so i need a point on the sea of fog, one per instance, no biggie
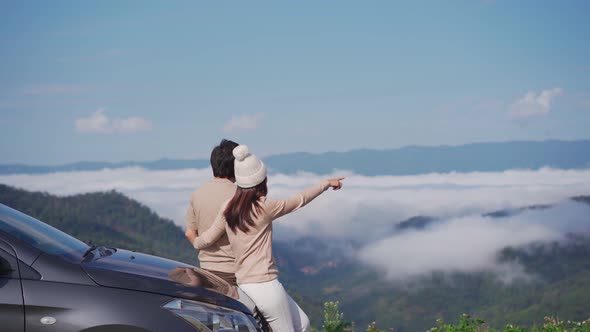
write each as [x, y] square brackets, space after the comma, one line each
[367, 209]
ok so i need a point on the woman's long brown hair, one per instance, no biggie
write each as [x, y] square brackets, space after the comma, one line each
[244, 207]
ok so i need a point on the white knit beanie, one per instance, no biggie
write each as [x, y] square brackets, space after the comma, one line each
[250, 171]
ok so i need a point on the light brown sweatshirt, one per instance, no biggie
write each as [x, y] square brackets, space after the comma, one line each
[202, 210]
[253, 249]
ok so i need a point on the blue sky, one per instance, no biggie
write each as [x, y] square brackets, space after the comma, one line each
[142, 80]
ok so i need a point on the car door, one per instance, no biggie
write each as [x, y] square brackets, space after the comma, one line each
[12, 313]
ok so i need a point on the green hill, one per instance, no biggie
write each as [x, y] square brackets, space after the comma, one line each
[559, 286]
[365, 296]
[316, 271]
[106, 218]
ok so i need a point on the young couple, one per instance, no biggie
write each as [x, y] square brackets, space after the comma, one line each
[229, 220]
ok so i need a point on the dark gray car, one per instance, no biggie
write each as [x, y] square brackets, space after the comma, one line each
[52, 282]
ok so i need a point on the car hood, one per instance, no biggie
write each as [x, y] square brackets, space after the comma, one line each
[136, 271]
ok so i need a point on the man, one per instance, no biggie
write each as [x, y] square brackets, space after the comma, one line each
[204, 206]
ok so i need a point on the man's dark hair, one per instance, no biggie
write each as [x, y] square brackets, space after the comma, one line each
[222, 159]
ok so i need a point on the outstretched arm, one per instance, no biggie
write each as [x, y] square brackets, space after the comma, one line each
[281, 207]
[213, 234]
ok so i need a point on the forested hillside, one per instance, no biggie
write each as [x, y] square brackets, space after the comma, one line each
[560, 286]
[316, 271]
[106, 218]
[557, 283]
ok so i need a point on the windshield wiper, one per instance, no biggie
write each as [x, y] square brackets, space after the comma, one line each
[102, 251]
[90, 249]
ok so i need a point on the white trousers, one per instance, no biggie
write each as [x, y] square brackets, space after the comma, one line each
[278, 308]
[246, 300]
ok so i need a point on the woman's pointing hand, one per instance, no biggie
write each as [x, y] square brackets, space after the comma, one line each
[335, 183]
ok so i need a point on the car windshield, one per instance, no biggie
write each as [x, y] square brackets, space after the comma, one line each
[40, 235]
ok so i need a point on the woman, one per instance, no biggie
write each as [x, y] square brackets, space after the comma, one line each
[247, 219]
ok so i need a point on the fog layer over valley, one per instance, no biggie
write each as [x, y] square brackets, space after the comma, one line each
[466, 219]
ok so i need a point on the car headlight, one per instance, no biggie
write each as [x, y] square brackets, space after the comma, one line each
[211, 318]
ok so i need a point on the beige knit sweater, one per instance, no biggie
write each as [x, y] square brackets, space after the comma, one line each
[200, 215]
[253, 249]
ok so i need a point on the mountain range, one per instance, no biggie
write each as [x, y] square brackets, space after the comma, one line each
[316, 270]
[485, 157]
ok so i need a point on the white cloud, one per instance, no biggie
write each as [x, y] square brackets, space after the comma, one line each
[242, 122]
[167, 192]
[534, 104]
[382, 201]
[368, 209]
[96, 123]
[99, 123]
[379, 201]
[465, 244]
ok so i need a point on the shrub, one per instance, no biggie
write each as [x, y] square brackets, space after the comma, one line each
[468, 324]
[333, 322]
[333, 318]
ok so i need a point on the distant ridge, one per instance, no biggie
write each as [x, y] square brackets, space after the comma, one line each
[160, 164]
[411, 160]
